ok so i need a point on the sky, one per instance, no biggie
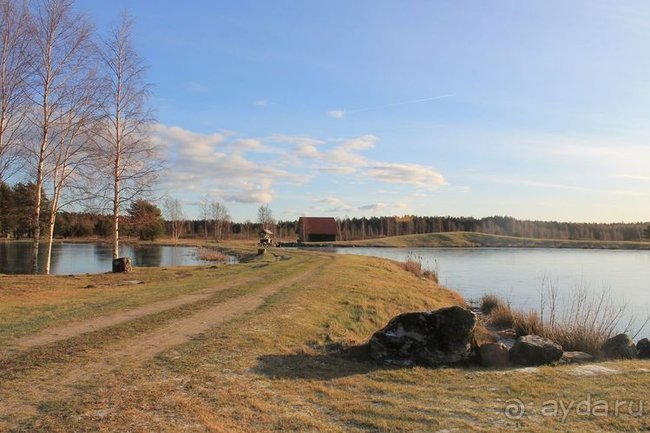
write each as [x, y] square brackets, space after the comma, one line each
[532, 109]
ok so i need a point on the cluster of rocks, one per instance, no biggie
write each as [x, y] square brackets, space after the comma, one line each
[447, 337]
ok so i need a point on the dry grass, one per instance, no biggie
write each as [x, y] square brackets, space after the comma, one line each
[585, 322]
[489, 302]
[295, 365]
[210, 255]
[413, 264]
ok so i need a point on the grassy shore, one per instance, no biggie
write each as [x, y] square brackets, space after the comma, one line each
[473, 240]
[266, 345]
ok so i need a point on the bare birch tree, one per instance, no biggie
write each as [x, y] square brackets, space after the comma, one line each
[70, 169]
[15, 57]
[61, 40]
[205, 215]
[127, 150]
[174, 213]
[265, 217]
[219, 214]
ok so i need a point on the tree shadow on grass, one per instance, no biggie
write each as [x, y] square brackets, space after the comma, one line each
[337, 363]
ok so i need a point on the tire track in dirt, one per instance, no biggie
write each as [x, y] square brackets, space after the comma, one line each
[74, 329]
[59, 382]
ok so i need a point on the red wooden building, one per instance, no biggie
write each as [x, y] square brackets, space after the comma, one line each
[317, 229]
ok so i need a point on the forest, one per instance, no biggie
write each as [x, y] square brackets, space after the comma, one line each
[147, 221]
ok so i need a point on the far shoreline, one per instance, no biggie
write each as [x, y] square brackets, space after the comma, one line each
[425, 240]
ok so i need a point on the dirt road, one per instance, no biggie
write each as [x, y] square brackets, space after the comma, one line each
[57, 380]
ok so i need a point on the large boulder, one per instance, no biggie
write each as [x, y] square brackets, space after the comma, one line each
[643, 348]
[535, 350]
[432, 338]
[494, 355]
[620, 346]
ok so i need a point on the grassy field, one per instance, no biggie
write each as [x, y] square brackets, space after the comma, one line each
[472, 239]
[267, 345]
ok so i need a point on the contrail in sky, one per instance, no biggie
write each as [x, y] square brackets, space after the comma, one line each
[339, 114]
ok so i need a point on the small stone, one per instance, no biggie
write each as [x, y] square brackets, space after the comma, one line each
[494, 355]
[535, 350]
[576, 358]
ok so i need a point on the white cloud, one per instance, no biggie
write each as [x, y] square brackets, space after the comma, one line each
[411, 174]
[337, 114]
[250, 170]
[261, 103]
[212, 164]
[367, 141]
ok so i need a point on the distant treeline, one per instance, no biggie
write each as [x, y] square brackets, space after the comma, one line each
[360, 228]
[16, 205]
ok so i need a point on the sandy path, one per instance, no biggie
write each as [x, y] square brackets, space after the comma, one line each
[73, 329]
[49, 384]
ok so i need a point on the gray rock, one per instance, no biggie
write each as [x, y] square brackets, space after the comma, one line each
[576, 358]
[643, 348]
[494, 355]
[535, 350]
[433, 338]
[619, 347]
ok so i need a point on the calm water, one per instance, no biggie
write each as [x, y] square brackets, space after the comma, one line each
[76, 258]
[518, 273]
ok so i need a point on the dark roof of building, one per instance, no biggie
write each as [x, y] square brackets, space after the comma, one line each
[318, 225]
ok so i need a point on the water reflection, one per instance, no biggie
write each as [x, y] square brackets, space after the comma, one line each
[150, 256]
[80, 258]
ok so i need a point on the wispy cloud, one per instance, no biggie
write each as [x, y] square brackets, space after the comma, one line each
[337, 114]
[340, 113]
[412, 174]
[261, 103]
[373, 208]
[335, 205]
[635, 177]
[554, 185]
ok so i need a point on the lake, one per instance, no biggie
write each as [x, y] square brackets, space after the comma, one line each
[518, 274]
[81, 258]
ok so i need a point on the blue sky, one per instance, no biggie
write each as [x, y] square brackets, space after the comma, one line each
[535, 109]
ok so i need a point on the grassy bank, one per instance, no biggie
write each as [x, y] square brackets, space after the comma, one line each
[288, 364]
[473, 240]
